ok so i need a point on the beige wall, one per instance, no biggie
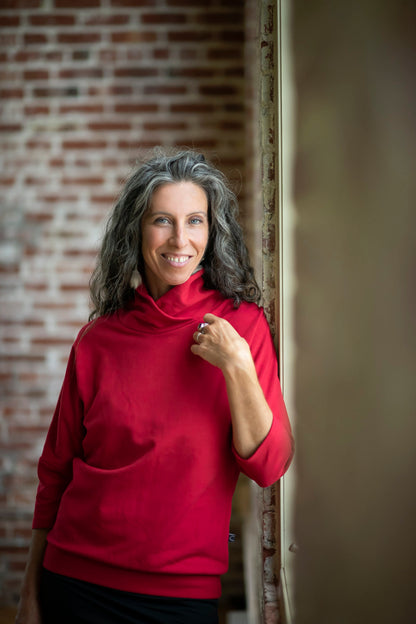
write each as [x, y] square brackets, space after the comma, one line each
[355, 187]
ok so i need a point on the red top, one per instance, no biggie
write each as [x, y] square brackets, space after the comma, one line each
[138, 469]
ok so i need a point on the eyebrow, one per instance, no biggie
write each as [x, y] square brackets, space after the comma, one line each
[163, 212]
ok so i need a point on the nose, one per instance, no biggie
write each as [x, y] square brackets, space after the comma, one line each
[178, 237]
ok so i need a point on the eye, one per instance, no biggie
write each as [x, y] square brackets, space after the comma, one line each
[196, 220]
[161, 220]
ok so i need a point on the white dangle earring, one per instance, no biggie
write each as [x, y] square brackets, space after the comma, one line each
[135, 279]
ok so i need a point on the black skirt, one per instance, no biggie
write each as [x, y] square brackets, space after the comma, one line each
[70, 601]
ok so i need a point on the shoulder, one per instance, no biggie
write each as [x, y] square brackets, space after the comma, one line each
[94, 330]
[248, 318]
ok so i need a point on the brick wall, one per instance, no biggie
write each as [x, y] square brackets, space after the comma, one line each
[87, 85]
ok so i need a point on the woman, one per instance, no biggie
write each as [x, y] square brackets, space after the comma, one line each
[170, 391]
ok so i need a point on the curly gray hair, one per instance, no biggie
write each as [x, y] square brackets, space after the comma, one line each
[226, 262]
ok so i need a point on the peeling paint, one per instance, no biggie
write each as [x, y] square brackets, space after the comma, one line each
[270, 268]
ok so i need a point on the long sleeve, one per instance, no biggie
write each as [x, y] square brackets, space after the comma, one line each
[63, 443]
[272, 458]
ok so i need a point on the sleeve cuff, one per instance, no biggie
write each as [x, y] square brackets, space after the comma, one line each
[271, 459]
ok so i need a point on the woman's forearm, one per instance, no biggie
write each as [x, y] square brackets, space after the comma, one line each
[220, 344]
[250, 414]
[35, 557]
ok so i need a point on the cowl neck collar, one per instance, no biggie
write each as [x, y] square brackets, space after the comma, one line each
[182, 304]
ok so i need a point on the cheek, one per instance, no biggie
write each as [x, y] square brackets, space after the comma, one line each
[204, 239]
[150, 241]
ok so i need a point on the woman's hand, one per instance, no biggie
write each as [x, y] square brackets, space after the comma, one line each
[221, 345]
[28, 611]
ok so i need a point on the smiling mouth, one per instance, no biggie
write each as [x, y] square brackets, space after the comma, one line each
[179, 260]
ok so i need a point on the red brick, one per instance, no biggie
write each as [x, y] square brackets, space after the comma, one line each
[165, 125]
[50, 305]
[193, 72]
[102, 199]
[35, 39]
[81, 286]
[36, 74]
[181, 3]
[7, 181]
[133, 36]
[9, 21]
[135, 145]
[55, 198]
[109, 126]
[111, 163]
[232, 35]
[38, 217]
[57, 162]
[226, 17]
[53, 55]
[163, 18]
[32, 286]
[217, 90]
[184, 36]
[87, 109]
[231, 125]
[161, 53]
[77, 4]
[79, 38]
[135, 108]
[135, 72]
[10, 127]
[26, 377]
[85, 72]
[81, 181]
[26, 56]
[188, 54]
[234, 72]
[48, 341]
[81, 55]
[107, 20]
[20, 4]
[36, 110]
[35, 181]
[78, 144]
[234, 108]
[225, 53]
[108, 57]
[52, 19]
[33, 322]
[55, 92]
[38, 144]
[10, 94]
[81, 163]
[8, 39]
[9, 76]
[191, 107]
[25, 357]
[3, 57]
[120, 90]
[133, 3]
[165, 90]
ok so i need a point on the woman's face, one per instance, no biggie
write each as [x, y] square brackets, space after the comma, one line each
[174, 235]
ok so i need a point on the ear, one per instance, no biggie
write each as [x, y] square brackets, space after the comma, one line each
[135, 279]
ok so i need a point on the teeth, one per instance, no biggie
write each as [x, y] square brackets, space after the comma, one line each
[177, 259]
